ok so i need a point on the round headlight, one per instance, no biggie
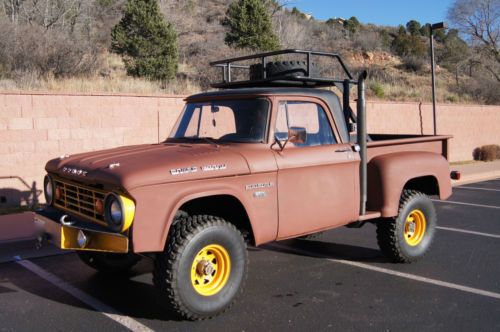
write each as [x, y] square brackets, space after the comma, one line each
[119, 212]
[48, 189]
[114, 212]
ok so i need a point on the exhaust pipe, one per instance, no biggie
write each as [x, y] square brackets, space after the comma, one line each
[361, 126]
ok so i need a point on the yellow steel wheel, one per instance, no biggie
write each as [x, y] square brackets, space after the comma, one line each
[210, 270]
[415, 226]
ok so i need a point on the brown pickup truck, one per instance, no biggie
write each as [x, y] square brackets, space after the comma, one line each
[269, 158]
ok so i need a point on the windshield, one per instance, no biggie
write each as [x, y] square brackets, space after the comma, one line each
[243, 120]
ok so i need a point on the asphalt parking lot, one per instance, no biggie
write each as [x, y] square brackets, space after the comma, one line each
[339, 283]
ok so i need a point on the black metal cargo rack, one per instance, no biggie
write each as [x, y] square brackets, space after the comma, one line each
[306, 80]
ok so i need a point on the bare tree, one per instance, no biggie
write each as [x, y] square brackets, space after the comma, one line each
[480, 21]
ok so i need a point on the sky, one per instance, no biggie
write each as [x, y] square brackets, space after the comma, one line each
[380, 12]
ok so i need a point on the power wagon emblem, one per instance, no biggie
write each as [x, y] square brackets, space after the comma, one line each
[194, 169]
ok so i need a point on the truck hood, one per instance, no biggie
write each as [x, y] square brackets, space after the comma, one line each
[140, 165]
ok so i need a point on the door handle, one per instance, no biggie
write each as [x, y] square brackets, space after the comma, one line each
[343, 150]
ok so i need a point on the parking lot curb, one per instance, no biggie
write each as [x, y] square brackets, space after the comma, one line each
[478, 177]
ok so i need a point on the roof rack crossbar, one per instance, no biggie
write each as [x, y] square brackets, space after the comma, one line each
[227, 64]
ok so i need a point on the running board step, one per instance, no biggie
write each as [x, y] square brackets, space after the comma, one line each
[370, 215]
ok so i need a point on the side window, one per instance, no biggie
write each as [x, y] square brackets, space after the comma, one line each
[308, 115]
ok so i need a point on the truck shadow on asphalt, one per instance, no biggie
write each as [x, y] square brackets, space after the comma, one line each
[328, 250]
[135, 296]
[132, 295]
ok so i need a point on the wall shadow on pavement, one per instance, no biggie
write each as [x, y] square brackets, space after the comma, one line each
[13, 197]
[328, 250]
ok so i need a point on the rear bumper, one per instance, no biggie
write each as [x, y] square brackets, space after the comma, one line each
[65, 234]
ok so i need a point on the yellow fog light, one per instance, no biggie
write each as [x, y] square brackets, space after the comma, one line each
[82, 239]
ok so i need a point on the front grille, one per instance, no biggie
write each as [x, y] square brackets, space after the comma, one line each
[80, 200]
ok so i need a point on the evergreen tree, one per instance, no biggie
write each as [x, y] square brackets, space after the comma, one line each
[454, 50]
[297, 12]
[146, 41]
[413, 27]
[425, 30]
[250, 26]
[401, 30]
[406, 45]
[352, 24]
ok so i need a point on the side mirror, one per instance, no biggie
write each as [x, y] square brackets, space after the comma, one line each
[297, 135]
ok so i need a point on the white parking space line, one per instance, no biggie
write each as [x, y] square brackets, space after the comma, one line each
[111, 313]
[459, 230]
[477, 188]
[369, 267]
[468, 204]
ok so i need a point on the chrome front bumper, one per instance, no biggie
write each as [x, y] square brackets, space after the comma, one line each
[62, 230]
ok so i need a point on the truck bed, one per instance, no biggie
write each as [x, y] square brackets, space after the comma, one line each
[384, 144]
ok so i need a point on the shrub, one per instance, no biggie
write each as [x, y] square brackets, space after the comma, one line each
[367, 41]
[33, 50]
[352, 25]
[413, 63]
[147, 42]
[250, 26]
[377, 89]
[487, 152]
[404, 44]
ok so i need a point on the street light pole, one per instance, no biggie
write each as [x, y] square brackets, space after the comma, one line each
[435, 26]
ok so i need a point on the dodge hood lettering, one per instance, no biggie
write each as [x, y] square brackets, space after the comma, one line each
[143, 165]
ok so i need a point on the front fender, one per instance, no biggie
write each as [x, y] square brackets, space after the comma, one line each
[389, 173]
[157, 205]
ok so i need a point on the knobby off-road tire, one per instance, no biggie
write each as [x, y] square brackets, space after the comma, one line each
[401, 241]
[195, 289]
[109, 263]
[283, 68]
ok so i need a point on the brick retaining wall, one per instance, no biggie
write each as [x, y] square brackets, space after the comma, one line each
[37, 127]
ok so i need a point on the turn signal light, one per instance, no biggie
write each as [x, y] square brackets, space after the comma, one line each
[99, 206]
[58, 193]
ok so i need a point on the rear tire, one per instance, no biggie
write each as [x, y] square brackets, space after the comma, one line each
[203, 267]
[109, 263]
[407, 237]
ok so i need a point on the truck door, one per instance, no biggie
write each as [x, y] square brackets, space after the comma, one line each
[317, 180]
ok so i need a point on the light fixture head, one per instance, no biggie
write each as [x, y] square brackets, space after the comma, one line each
[439, 26]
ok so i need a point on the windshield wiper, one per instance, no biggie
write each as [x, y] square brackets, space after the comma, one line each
[209, 140]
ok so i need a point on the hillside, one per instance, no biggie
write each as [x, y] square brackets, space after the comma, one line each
[201, 39]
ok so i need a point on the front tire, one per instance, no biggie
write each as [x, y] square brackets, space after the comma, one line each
[407, 237]
[203, 267]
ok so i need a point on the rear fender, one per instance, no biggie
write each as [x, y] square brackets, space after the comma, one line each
[388, 175]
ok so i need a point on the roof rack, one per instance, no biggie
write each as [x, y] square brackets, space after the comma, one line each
[305, 80]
